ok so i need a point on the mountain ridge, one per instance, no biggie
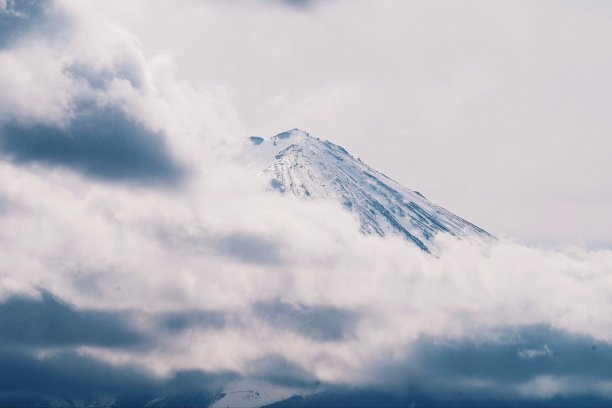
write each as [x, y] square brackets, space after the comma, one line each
[311, 168]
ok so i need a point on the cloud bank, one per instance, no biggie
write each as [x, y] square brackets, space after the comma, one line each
[143, 257]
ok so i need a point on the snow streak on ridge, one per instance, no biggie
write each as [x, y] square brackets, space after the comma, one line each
[311, 168]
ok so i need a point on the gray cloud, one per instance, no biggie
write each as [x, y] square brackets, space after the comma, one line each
[48, 322]
[100, 141]
[277, 370]
[188, 319]
[242, 246]
[19, 17]
[476, 373]
[249, 248]
[361, 397]
[569, 355]
[297, 3]
[29, 381]
[189, 380]
[100, 78]
[28, 325]
[70, 374]
[491, 369]
[322, 323]
[4, 205]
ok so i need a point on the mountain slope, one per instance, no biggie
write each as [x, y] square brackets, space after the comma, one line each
[311, 168]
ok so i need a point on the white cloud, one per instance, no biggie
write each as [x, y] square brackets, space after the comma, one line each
[119, 248]
[23, 81]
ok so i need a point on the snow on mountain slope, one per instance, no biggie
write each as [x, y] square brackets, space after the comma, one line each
[255, 394]
[311, 168]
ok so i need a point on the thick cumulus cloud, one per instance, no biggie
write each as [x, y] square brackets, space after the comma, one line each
[147, 295]
[79, 94]
[141, 285]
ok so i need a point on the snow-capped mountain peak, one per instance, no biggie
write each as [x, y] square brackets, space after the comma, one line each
[311, 168]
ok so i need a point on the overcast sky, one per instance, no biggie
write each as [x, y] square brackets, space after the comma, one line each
[496, 110]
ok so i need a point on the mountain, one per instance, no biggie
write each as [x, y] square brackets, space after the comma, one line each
[311, 168]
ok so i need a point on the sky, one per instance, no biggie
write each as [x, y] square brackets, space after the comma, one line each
[496, 110]
[143, 257]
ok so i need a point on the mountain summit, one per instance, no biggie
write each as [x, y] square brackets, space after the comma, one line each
[311, 168]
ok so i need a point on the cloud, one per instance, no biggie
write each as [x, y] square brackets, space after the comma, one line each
[185, 319]
[100, 141]
[367, 397]
[28, 377]
[250, 248]
[341, 308]
[322, 323]
[85, 117]
[198, 380]
[3, 205]
[481, 367]
[173, 293]
[71, 374]
[103, 109]
[17, 17]
[26, 322]
[27, 380]
[462, 373]
[277, 370]
[297, 3]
